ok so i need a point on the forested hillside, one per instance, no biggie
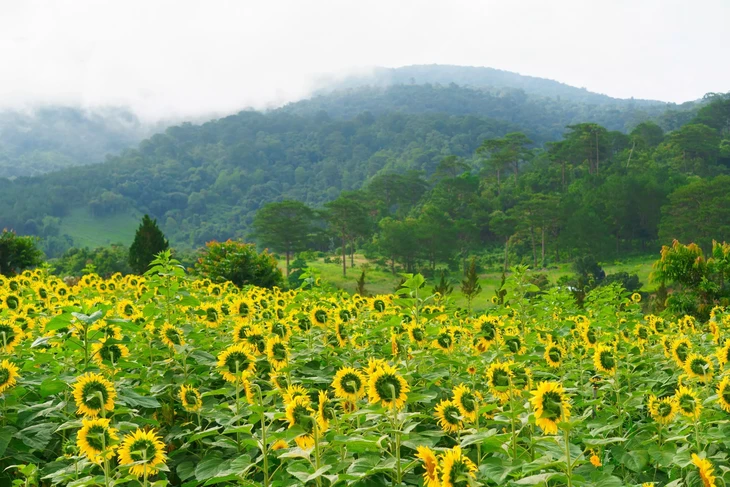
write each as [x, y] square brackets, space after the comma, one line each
[49, 138]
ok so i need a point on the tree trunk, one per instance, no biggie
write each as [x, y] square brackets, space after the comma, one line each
[534, 248]
[542, 254]
[352, 253]
[344, 256]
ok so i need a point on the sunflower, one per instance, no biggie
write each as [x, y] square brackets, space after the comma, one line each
[93, 393]
[8, 375]
[127, 310]
[449, 417]
[416, 333]
[466, 401]
[104, 329]
[444, 340]
[723, 353]
[96, 439]
[604, 359]
[595, 459]
[105, 351]
[342, 333]
[388, 387]
[236, 362]
[349, 384]
[10, 336]
[499, 380]
[190, 398]
[636, 298]
[324, 412]
[292, 392]
[705, 470]
[723, 393]
[688, 402]
[279, 445]
[430, 466]
[663, 411]
[172, 336]
[318, 315]
[456, 468]
[254, 336]
[374, 364]
[277, 352]
[550, 405]
[143, 449]
[300, 413]
[554, 354]
[699, 367]
[282, 329]
[680, 350]
[239, 331]
[588, 334]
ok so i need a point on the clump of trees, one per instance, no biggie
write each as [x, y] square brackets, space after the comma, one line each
[239, 263]
[18, 253]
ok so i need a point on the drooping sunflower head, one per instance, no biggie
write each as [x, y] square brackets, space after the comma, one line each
[319, 316]
[444, 340]
[294, 391]
[110, 351]
[280, 328]
[299, 412]
[92, 392]
[190, 398]
[604, 359]
[705, 470]
[680, 350]
[448, 416]
[143, 451]
[499, 380]
[96, 439]
[551, 406]
[467, 402]
[172, 336]
[664, 410]
[236, 362]
[699, 367]
[10, 337]
[277, 352]
[688, 402]
[417, 333]
[430, 466]
[554, 354]
[212, 315]
[325, 413]
[723, 353]
[387, 387]
[256, 338]
[349, 384]
[456, 468]
[8, 375]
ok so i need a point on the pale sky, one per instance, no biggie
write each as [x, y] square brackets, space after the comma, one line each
[190, 58]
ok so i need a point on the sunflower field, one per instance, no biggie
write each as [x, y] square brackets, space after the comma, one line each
[166, 380]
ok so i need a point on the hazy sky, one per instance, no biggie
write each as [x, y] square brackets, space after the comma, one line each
[188, 58]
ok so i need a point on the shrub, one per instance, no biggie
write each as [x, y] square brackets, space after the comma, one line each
[239, 263]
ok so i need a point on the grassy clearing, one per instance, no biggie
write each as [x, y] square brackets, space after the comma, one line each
[90, 231]
[382, 282]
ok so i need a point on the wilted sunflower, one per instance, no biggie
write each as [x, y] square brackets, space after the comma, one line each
[551, 406]
[10, 336]
[456, 468]
[723, 393]
[104, 351]
[680, 350]
[466, 401]
[430, 466]
[300, 413]
[663, 410]
[96, 439]
[349, 384]
[705, 470]
[236, 362]
[92, 393]
[449, 417]
[277, 352]
[172, 335]
[699, 367]
[144, 451]
[688, 402]
[191, 400]
[499, 380]
[604, 359]
[8, 375]
[387, 387]
[554, 354]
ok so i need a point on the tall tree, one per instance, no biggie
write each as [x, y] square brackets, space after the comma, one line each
[17, 253]
[348, 218]
[284, 226]
[148, 242]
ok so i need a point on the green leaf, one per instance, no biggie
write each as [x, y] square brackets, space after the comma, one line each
[635, 460]
[131, 398]
[51, 386]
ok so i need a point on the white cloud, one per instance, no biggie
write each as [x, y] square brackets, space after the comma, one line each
[187, 58]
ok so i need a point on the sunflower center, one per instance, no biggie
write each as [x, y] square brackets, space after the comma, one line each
[173, 336]
[687, 403]
[514, 344]
[4, 376]
[726, 395]
[211, 315]
[257, 341]
[9, 334]
[500, 378]
[444, 340]
[110, 353]
[643, 333]
[379, 305]
[128, 310]
[388, 387]
[342, 332]
[303, 418]
[591, 336]
[278, 329]
[351, 383]
[488, 331]
[418, 334]
[321, 316]
[345, 315]
[451, 414]
[664, 409]
[468, 403]
[243, 309]
[191, 398]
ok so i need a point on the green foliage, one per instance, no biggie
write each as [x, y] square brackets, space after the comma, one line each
[284, 226]
[470, 286]
[105, 261]
[360, 285]
[18, 253]
[148, 242]
[239, 263]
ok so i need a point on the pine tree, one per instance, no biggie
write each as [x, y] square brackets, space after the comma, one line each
[470, 286]
[148, 242]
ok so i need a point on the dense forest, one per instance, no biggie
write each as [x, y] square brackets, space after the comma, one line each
[49, 138]
[607, 169]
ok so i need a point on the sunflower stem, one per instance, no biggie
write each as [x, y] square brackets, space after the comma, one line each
[568, 463]
[238, 394]
[317, 460]
[396, 434]
[512, 420]
[264, 446]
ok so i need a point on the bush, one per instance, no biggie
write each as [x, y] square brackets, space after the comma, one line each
[239, 263]
[18, 253]
[630, 282]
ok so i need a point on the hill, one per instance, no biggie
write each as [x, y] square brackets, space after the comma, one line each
[49, 138]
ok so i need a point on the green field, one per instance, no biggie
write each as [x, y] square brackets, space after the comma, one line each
[90, 231]
[382, 282]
